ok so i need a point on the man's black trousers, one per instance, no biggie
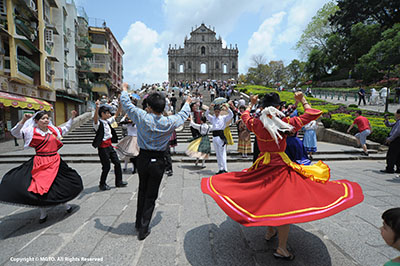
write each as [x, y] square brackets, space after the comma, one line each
[151, 166]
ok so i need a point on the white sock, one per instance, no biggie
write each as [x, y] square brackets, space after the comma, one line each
[67, 206]
[43, 213]
[202, 164]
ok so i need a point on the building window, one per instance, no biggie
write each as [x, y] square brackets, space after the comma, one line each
[3, 7]
[172, 65]
[190, 65]
[225, 69]
[202, 38]
[233, 65]
[203, 50]
[47, 67]
[216, 65]
[203, 68]
[181, 68]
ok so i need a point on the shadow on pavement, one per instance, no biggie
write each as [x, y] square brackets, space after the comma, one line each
[233, 244]
[88, 190]
[28, 221]
[126, 228]
[198, 169]
[122, 229]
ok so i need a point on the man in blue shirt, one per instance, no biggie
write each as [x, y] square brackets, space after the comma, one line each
[153, 132]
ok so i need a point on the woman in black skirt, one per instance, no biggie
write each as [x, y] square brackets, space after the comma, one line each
[45, 180]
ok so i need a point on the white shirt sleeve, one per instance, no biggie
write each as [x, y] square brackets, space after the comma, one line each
[209, 117]
[194, 125]
[16, 131]
[67, 127]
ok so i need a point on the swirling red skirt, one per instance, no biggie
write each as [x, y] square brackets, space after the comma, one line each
[280, 192]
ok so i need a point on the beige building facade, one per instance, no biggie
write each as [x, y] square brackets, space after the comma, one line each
[203, 57]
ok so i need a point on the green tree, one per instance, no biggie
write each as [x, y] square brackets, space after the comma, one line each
[383, 57]
[383, 12]
[295, 72]
[317, 31]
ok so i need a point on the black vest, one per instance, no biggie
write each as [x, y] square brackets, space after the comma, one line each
[98, 139]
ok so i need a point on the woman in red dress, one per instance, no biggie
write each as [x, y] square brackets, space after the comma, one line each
[45, 180]
[275, 191]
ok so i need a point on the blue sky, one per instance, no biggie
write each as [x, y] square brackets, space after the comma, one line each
[146, 28]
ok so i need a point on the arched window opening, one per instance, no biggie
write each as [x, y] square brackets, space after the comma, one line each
[203, 68]
[181, 69]
[216, 65]
[202, 38]
[203, 50]
[225, 69]
[172, 65]
[190, 65]
[233, 65]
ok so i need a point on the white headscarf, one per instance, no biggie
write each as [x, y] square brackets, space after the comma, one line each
[271, 119]
[28, 128]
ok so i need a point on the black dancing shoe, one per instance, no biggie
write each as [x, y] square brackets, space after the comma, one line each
[122, 184]
[143, 233]
[71, 209]
[43, 220]
[104, 187]
[288, 256]
[386, 171]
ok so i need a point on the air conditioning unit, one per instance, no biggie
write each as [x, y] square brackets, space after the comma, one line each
[32, 5]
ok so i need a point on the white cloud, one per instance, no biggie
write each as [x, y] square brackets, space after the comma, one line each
[144, 61]
[262, 41]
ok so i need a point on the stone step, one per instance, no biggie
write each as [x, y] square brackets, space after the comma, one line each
[182, 153]
[185, 159]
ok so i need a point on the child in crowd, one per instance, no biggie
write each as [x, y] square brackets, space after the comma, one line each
[105, 135]
[200, 148]
[310, 138]
[244, 145]
[128, 148]
[390, 232]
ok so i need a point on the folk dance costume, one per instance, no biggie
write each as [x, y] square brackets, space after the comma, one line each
[244, 144]
[45, 180]
[310, 137]
[200, 148]
[128, 148]
[105, 136]
[219, 138]
[275, 191]
[173, 141]
[296, 151]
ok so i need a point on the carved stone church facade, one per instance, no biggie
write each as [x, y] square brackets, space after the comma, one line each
[202, 58]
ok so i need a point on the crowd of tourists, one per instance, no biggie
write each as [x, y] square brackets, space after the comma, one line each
[280, 188]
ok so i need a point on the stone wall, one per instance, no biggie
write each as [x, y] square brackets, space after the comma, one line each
[338, 83]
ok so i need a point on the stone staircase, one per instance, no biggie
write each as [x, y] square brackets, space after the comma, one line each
[84, 135]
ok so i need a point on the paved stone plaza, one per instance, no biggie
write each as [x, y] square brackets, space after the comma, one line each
[188, 228]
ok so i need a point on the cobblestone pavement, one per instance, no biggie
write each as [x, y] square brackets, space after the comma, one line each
[188, 228]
